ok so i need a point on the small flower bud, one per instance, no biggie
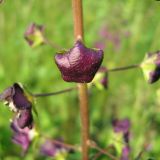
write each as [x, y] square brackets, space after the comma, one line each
[34, 35]
[79, 64]
[101, 78]
[151, 67]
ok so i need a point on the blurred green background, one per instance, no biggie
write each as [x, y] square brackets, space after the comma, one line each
[133, 27]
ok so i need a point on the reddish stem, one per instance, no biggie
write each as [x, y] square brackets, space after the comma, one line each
[82, 87]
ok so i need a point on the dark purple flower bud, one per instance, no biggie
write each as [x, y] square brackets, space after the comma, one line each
[34, 35]
[126, 137]
[22, 137]
[154, 76]
[25, 119]
[16, 98]
[151, 67]
[80, 63]
[51, 149]
[20, 100]
[121, 125]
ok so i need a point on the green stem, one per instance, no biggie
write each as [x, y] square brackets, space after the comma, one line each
[53, 93]
[124, 68]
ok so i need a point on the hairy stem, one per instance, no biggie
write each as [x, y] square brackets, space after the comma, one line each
[124, 68]
[53, 93]
[82, 87]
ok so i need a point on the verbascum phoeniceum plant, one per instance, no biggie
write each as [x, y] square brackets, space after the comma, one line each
[81, 65]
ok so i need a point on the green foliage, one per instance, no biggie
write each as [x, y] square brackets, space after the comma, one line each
[137, 26]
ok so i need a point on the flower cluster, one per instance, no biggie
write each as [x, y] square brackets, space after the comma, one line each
[22, 124]
[18, 102]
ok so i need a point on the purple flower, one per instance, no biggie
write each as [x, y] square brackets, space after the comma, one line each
[18, 102]
[125, 153]
[34, 35]
[51, 149]
[121, 125]
[22, 137]
[15, 97]
[80, 63]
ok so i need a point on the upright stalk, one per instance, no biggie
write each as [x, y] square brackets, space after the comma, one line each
[82, 87]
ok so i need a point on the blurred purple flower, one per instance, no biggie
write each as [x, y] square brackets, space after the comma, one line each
[50, 148]
[108, 36]
[104, 79]
[104, 32]
[100, 44]
[125, 153]
[116, 41]
[22, 137]
[121, 125]
[80, 63]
